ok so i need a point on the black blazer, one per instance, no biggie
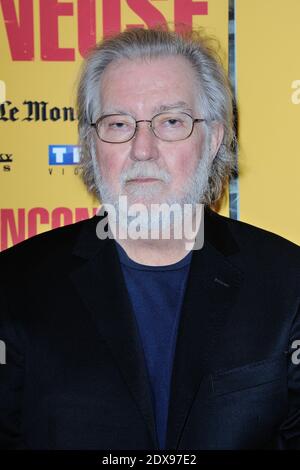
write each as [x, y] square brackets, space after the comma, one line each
[75, 376]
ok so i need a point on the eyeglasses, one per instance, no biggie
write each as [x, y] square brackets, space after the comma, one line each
[167, 126]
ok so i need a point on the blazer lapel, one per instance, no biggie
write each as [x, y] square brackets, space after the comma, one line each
[212, 286]
[100, 284]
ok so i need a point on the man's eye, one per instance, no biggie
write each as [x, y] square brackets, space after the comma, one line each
[173, 122]
[118, 125]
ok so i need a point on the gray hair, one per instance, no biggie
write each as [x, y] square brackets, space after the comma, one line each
[215, 94]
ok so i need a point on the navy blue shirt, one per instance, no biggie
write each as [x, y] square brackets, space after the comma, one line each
[156, 294]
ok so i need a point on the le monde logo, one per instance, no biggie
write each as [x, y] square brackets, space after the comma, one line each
[61, 157]
[35, 111]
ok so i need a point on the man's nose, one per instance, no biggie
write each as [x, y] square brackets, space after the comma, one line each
[144, 143]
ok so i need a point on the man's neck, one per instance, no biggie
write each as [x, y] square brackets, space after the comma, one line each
[154, 252]
[160, 252]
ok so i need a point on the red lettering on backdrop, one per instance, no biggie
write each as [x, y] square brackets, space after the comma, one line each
[82, 213]
[61, 216]
[13, 222]
[33, 215]
[146, 12]
[111, 17]
[8, 225]
[184, 10]
[86, 25]
[50, 10]
[19, 31]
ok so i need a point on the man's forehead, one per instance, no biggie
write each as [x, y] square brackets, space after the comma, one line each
[180, 105]
[165, 81]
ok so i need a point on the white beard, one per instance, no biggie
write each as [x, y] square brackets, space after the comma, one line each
[191, 194]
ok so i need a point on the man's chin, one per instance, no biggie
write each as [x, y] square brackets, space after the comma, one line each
[146, 199]
[153, 193]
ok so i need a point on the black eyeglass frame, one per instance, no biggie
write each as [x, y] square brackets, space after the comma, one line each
[95, 125]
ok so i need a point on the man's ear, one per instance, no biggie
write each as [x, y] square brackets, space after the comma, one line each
[217, 134]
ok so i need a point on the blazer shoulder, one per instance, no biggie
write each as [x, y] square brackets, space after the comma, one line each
[256, 241]
[42, 248]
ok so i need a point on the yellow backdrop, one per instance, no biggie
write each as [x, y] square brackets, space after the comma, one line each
[268, 69]
[42, 45]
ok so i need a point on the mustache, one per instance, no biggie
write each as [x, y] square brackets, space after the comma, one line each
[145, 170]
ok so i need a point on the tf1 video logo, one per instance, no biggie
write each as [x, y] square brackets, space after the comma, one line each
[63, 154]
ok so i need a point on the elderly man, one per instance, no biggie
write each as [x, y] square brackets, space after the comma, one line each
[148, 342]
